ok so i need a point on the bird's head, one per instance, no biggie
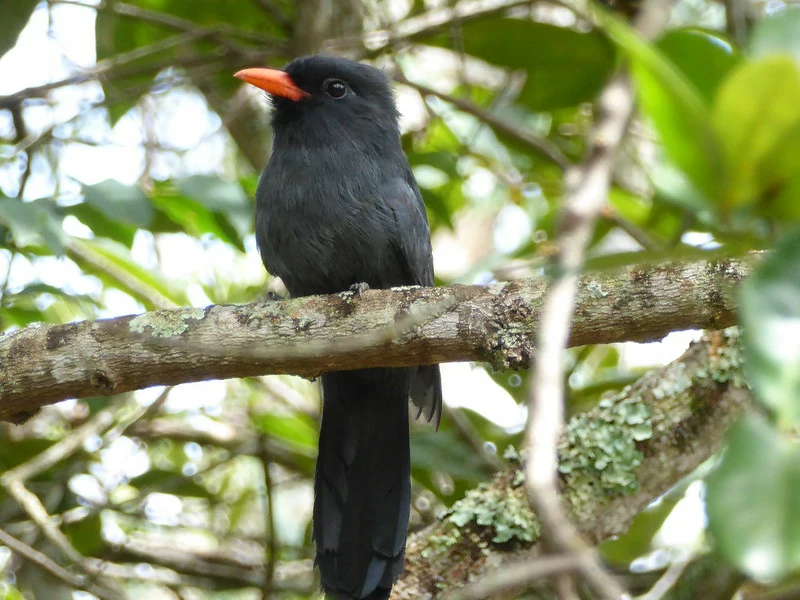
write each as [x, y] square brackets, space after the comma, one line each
[324, 91]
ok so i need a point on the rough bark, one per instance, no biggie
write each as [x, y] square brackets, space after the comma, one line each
[307, 336]
[644, 439]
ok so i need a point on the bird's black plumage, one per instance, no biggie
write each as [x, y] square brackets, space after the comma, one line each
[336, 206]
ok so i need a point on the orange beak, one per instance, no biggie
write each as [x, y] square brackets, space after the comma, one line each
[273, 81]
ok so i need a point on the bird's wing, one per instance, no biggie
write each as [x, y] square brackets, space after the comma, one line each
[412, 240]
[411, 235]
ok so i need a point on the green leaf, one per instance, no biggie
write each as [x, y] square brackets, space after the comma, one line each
[112, 263]
[13, 22]
[777, 34]
[703, 57]
[42, 302]
[101, 225]
[757, 117]
[564, 67]
[86, 535]
[11, 593]
[117, 34]
[120, 202]
[173, 481]
[296, 429]
[191, 215]
[13, 454]
[220, 196]
[676, 109]
[770, 317]
[36, 223]
[784, 202]
[445, 451]
[752, 501]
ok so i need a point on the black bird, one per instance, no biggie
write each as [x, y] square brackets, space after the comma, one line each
[338, 206]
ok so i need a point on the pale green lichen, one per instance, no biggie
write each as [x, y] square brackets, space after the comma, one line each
[511, 454]
[676, 384]
[599, 452]
[438, 543]
[726, 362]
[595, 290]
[165, 323]
[505, 510]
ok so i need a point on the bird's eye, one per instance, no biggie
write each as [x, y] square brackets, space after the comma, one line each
[335, 88]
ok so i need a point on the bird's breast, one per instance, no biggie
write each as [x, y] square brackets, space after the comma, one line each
[324, 233]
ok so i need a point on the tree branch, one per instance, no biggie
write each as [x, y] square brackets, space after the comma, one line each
[542, 146]
[44, 364]
[585, 196]
[644, 439]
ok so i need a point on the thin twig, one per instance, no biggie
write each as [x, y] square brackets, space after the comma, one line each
[4, 287]
[45, 562]
[14, 480]
[542, 147]
[611, 216]
[270, 535]
[471, 436]
[667, 580]
[516, 577]
[173, 22]
[77, 249]
[111, 71]
[281, 19]
[587, 187]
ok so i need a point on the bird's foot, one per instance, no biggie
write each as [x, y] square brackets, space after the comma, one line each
[358, 289]
[273, 297]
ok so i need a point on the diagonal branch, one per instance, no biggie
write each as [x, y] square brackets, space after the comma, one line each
[615, 460]
[45, 562]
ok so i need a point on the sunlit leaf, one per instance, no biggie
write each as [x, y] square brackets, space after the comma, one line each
[36, 223]
[13, 22]
[220, 196]
[191, 215]
[704, 57]
[564, 67]
[114, 265]
[751, 501]
[757, 118]
[119, 202]
[676, 109]
[43, 302]
[101, 225]
[296, 429]
[770, 316]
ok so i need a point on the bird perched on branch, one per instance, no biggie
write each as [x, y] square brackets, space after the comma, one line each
[338, 207]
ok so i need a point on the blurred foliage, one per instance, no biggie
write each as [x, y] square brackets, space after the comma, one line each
[124, 189]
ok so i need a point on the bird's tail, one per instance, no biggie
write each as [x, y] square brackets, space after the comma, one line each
[363, 482]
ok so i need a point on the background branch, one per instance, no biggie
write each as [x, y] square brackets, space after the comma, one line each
[686, 409]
